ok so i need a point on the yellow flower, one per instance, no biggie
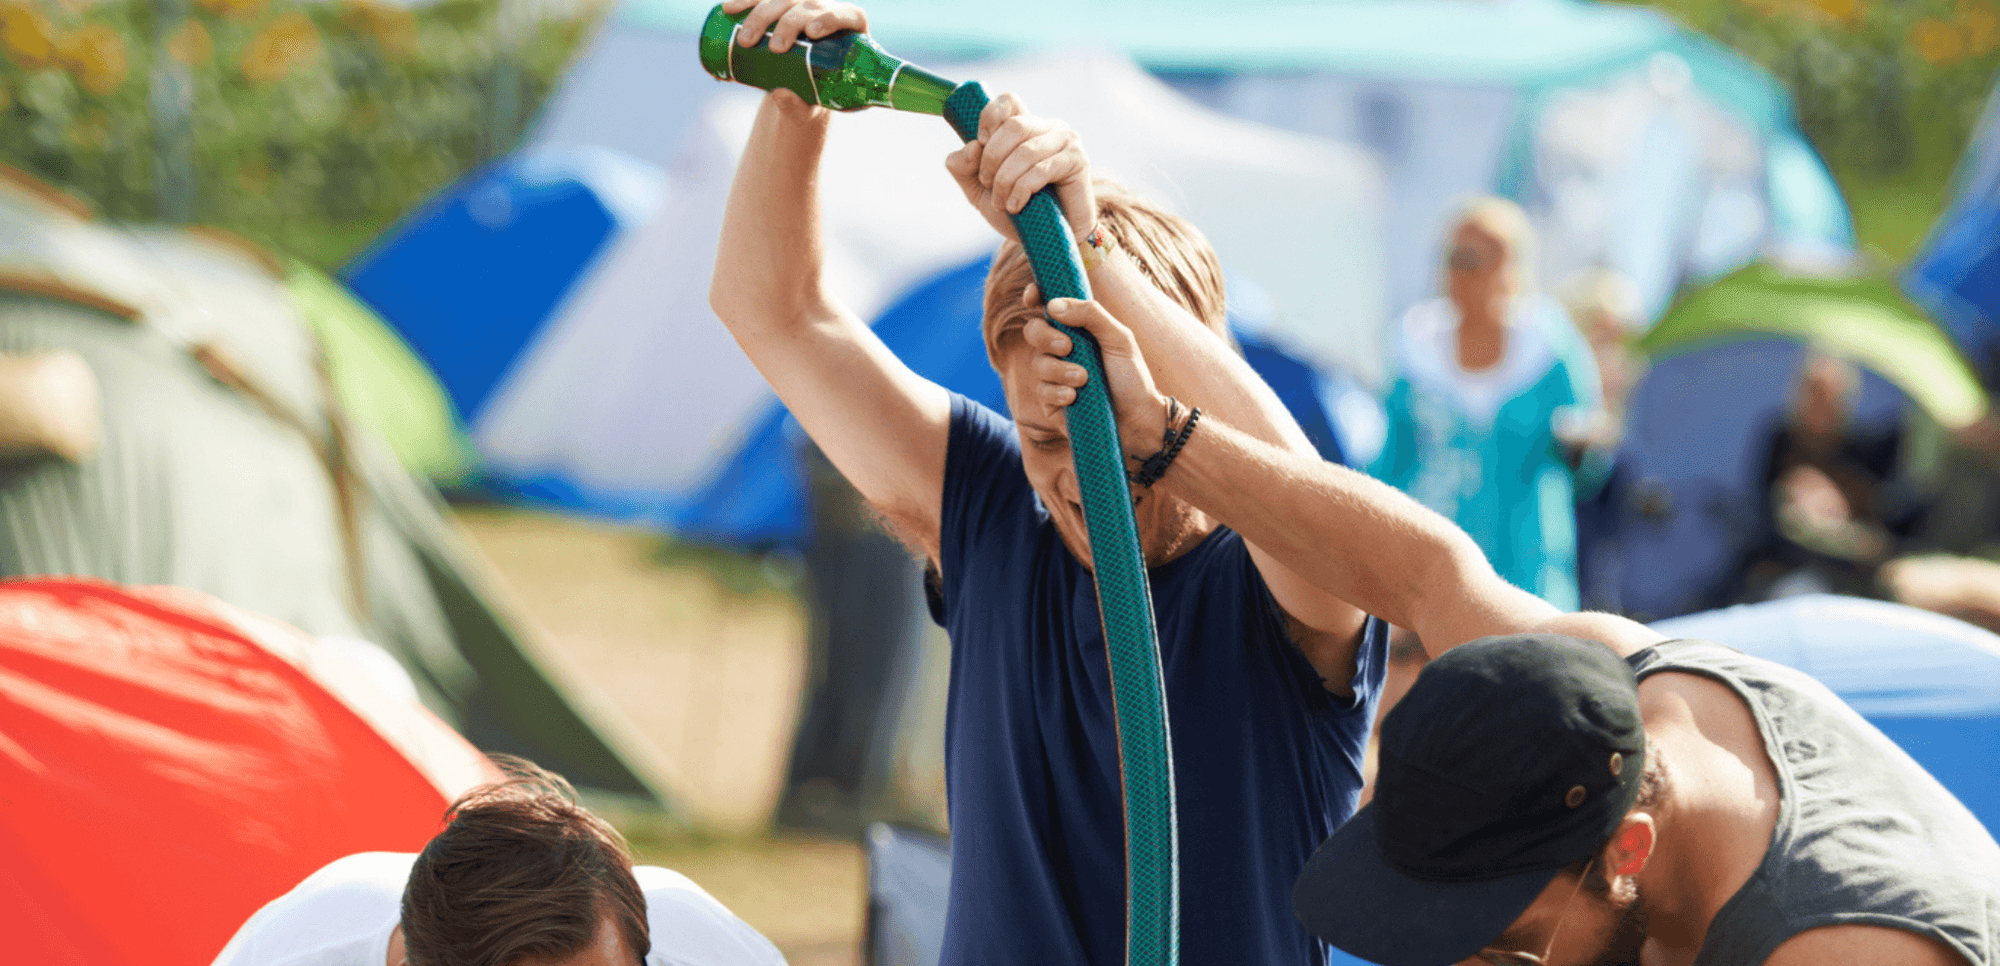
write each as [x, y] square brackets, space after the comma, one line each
[27, 36]
[234, 9]
[1937, 42]
[93, 130]
[394, 28]
[96, 55]
[1982, 28]
[289, 41]
[191, 44]
[1846, 13]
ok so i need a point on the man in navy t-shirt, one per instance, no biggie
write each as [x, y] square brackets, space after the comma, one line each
[1271, 683]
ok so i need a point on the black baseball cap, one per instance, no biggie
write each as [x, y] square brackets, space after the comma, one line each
[1509, 758]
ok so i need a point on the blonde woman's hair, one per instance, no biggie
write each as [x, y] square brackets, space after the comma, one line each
[1507, 221]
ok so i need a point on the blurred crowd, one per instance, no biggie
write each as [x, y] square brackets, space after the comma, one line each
[1508, 412]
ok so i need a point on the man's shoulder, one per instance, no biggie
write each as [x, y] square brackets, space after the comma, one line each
[363, 873]
[333, 917]
[1864, 945]
[690, 926]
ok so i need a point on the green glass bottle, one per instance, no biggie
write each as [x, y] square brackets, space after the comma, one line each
[844, 71]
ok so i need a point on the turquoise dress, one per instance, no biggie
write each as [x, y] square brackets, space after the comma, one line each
[1480, 447]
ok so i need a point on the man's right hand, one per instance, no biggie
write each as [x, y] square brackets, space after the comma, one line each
[1138, 405]
[788, 20]
[1016, 155]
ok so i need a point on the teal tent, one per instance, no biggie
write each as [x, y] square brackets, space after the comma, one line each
[1636, 144]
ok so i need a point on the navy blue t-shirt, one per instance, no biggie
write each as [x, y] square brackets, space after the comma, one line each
[1267, 762]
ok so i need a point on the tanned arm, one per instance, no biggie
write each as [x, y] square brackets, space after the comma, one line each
[1349, 535]
[883, 426]
[1016, 154]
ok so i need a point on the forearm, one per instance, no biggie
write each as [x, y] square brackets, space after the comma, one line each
[768, 263]
[1190, 361]
[1350, 536]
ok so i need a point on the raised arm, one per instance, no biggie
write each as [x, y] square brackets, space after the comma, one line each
[1349, 535]
[1016, 154]
[883, 426]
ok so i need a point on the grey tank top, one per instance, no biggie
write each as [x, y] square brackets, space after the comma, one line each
[1864, 836]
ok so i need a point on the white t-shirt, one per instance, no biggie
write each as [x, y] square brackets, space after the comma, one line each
[343, 915]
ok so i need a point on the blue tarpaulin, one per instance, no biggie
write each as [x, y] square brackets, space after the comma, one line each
[1928, 681]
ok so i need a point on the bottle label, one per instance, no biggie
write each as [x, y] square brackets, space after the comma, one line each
[758, 67]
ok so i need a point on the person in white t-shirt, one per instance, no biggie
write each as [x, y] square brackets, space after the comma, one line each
[522, 875]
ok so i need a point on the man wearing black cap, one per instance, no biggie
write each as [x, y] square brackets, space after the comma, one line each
[1572, 789]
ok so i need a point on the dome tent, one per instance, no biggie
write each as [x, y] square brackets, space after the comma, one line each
[626, 396]
[1635, 144]
[174, 763]
[226, 463]
[1957, 276]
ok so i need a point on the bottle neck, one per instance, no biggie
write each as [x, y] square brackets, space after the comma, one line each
[918, 90]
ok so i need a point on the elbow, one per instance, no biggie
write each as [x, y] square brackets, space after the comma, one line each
[1452, 574]
[720, 302]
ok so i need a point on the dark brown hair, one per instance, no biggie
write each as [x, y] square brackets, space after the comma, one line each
[521, 869]
[1169, 250]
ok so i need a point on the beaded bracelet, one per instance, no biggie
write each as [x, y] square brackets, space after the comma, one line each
[1096, 246]
[1155, 466]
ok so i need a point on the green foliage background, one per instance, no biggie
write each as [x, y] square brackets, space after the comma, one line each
[1887, 90]
[314, 126]
[317, 125]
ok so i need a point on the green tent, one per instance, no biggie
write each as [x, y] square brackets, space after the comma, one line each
[1863, 319]
[380, 382]
[225, 462]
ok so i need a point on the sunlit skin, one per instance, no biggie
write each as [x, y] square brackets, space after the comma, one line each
[1167, 527]
[1481, 280]
[1675, 861]
[1569, 924]
[607, 948]
[1824, 396]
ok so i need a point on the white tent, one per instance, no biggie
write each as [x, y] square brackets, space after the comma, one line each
[634, 385]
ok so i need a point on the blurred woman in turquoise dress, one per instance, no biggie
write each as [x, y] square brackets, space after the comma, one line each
[1488, 381]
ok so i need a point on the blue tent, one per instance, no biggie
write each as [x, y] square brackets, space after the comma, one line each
[759, 496]
[1698, 427]
[1929, 682]
[1957, 276]
[473, 275]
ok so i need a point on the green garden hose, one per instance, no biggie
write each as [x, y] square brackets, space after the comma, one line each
[1124, 600]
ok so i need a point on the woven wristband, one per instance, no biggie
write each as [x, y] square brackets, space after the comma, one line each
[1155, 466]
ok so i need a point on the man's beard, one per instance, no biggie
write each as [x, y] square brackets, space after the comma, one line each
[1628, 936]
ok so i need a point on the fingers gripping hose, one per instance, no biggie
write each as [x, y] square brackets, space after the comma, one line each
[1124, 602]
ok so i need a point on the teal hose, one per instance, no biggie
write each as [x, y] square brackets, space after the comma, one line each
[1124, 601]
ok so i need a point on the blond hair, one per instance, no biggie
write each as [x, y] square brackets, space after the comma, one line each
[1169, 251]
[1509, 223]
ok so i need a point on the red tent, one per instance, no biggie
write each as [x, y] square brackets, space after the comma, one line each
[167, 766]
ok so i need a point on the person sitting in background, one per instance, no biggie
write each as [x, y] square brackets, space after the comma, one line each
[1483, 378]
[1832, 512]
[521, 874]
